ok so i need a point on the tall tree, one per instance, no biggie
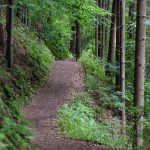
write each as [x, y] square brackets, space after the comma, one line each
[112, 40]
[73, 40]
[96, 34]
[140, 69]
[2, 36]
[99, 32]
[103, 31]
[9, 27]
[122, 59]
[118, 45]
[77, 49]
[120, 55]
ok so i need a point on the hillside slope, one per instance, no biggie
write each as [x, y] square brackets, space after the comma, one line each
[32, 63]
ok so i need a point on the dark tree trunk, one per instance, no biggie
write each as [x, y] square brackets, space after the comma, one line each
[73, 40]
[2, 37]
[77, 49]
[99, 32]
[9, 47]
[118, 47]
[103, 32]
[96, 35]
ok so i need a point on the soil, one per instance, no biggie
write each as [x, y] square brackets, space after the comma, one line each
[66, 79]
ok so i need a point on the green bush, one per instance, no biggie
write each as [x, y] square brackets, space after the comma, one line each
[77, 120]
[93, 66]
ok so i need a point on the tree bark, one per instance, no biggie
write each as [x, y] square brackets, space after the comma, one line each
[77, 49]
[99, 32]
[118, 47]
[122, 60]
[73, 40]
[2, 37]
[96, 35]
[103, 31]
[112, 40]
[140, 69]
[9, 47]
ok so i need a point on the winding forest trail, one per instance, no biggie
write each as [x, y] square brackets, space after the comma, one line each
[67, 78]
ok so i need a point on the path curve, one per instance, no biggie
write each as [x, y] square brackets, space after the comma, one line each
[67, 78]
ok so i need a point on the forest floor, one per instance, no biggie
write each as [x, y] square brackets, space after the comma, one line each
[66, 79]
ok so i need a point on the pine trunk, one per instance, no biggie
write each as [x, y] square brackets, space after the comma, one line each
[96, 35]
[103, 31]
[2, 37]
[140, 69]
[118, 46]
[99, 32]
[122, 60]
[77, 49]
[112, 40]
[9, 47]
[73, 40]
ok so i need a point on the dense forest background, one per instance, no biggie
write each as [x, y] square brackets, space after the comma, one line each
[110, 38]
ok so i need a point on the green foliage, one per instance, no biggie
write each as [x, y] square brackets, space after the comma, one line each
[77, 120]
[17, 84]
[93, 66]
[56, 19]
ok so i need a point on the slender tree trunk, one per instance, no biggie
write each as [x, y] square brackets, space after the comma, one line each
[122, 60]
[140, 69]
[96, 35]
[96, 40]
[73, 40]
[9, 47]
[2, 37]
[107, 6]
[112, 40]
[99, 32]
[77, 49]
[118, 46]
[103, 31]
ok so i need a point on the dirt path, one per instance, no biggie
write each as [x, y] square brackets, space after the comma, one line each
[66, 78]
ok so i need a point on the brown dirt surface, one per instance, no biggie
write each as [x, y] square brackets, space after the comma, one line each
[67, 78]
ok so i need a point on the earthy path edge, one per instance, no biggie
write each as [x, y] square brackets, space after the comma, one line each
[67, 78]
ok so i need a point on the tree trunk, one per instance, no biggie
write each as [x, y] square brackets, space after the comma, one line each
[77, 49]
[122, 60]
[140, 69]
[96, 35]
[99, 32]
[112, 40]
[9, 47]
[96, 40]
[2, 37]
[118, 46]
[73, 40]
[103, 31]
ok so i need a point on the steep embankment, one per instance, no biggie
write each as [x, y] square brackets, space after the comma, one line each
[32, 63]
